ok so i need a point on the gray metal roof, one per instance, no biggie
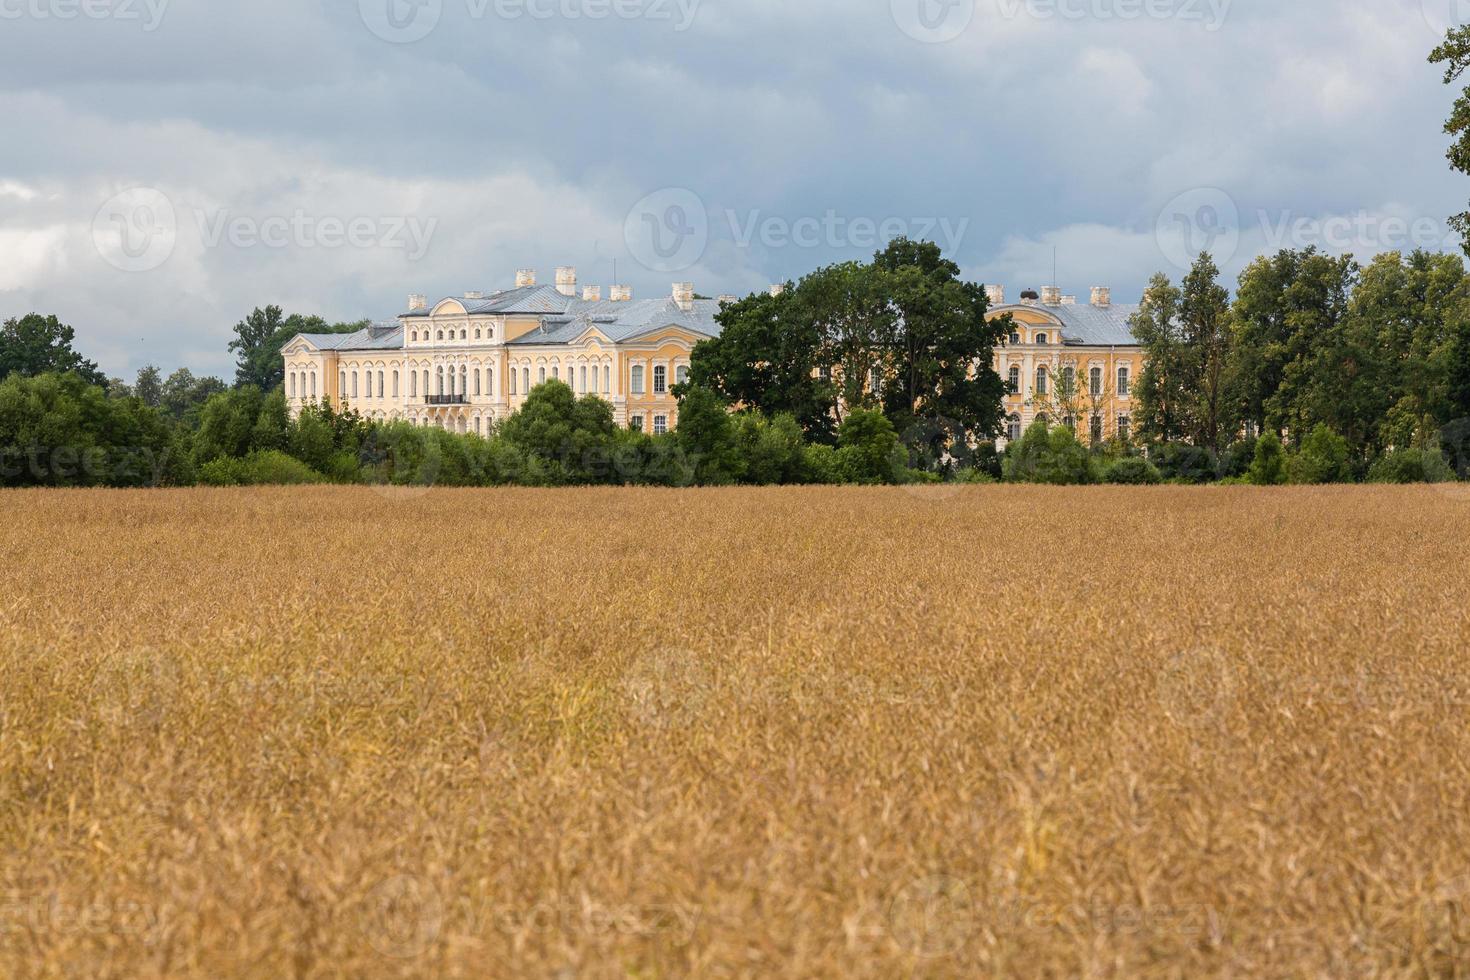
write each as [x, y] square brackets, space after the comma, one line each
[1089, 326]
[379, 336]
[623, 320]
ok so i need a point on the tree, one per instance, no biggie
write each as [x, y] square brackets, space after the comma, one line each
[1454, 54]
[706, 435]
[183, 396]
[1269, 466]
[1160, 393]
[567, 440]
[1204, 312]
[867, 448]
[261, 335]
[149, 386]
[33, 345]
[1048, 454]
[1322, 458]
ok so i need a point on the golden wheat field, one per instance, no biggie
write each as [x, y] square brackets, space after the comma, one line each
[990, 731]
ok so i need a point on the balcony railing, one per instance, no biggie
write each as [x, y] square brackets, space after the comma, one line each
[446, 399]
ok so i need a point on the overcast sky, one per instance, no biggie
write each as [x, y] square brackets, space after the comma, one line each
[168, 165]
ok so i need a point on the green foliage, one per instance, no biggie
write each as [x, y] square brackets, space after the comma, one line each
[266, 468]
[261, 335]
[1237, 459]
[1268, 466]
[1182, 462]
[565, 440]
[58, 430]
[821, 464]
[1049, 455]
[33, 345]
[1411, 466]
[772, 449]
[1132, 470]
[1321, 458]
[867, 449]
[705, 435]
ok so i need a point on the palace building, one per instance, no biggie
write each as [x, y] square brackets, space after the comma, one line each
[1068, 363]
[468, 361]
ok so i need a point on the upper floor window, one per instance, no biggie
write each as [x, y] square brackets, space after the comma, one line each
[1041, 380]
[293, 384]
[414, 336]
[1013, 428]
[681, 374]
[1014, 381]
[1015, 337]
[875, 381]
[464, 335]
[1095, 381]
[1124, 380]
[583, 378]
[477, 337]
[441, 335]
[636, 385]
[542, 375]
[1041, 338]
[607, 379]
[1069, 380]
[354, 384]
[660, 379]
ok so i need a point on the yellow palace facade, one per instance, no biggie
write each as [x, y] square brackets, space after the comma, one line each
[1069, 363]
[465, 362]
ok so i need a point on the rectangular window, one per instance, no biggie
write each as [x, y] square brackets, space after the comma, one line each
[512, 381]
[354, 384]
[681, 374]
[660, 382]
[1123, 382]
[660, 424]
[1014, 383]
[1123, 426]
[1095, 382]
[543, 375]
[395, 384]
[583, 379]
[1097, 428]
[637, 377]
[607, 379]
[636, 423]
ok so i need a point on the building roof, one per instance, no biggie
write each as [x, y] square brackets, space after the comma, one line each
[1087, 326]
[623, 320]
[379, 336]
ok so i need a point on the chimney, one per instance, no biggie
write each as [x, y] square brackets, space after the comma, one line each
[525, 277]
[620, 294]
[1102, 296]
[1069, 300]
[1051, 295]
[417, 301]
[727, 298]
[474, 294]
[996, 295]
[592, 294]
[777, 289]
[566, 280]
[684, 295]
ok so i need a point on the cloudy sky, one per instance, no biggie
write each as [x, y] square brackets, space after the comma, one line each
[170, 164]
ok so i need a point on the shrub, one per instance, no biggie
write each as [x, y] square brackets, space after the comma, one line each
[868, 450]
[1237, 459]
[820, 463]
[269, 467]
[1181, 462]
[1052, 456]
[772, 448]
[1268, 467]
[1133, 471]
[1411, 466]
[1322, 458]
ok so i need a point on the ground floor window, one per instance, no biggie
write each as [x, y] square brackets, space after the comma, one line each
[1124, 423]
[660, 424]
[636, 423]
[1013, 428]
[1097, 428]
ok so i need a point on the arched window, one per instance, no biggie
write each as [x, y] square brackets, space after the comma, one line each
[556, 372]
[440, 335]
[681, 374]
[441, 381]
[477, 421]
[477, 385]
[464, 379]
[395, 382]
[342, 385]
[1094, 380]
[1013, 428]
[525, 381]
[1041, 339]
[354, 384]
[313, 386]
[513, 373]
[426, 382]
[414, 336]
[541, 376]
[660, 379]
[1096, 429]
[582, 379]
[1015, 337]
[1042, 418]
[490, 382]
[293, 384]
[1015, 379]
[381, 389]
[464, 335]
[1041, 380]
[607, 379]
[1123, 381]
[413, 384]
[637, 380]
